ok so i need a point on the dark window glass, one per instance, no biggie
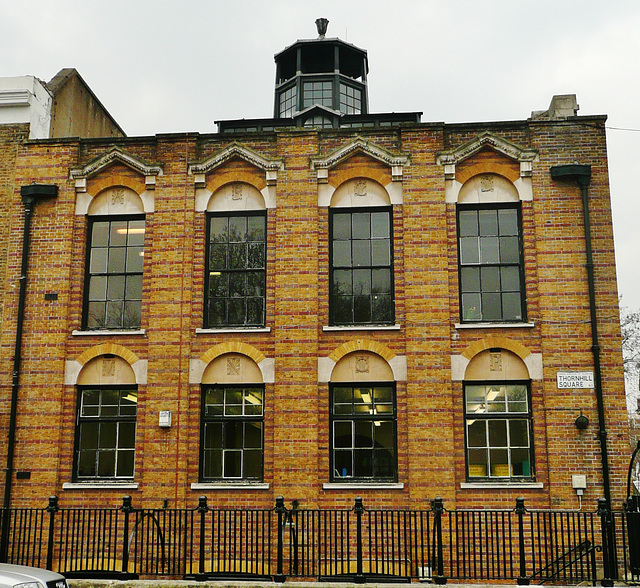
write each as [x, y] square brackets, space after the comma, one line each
[363, 432]
[113, 297]
[350, 99]
[491, 264]
[106, 433]
[361, 267]
[498, 431]
[236, 270]
[232, 432]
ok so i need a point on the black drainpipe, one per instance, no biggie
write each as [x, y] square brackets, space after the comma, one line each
[30, 196]
[582, 175]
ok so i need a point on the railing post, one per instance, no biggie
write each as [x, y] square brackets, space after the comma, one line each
[52, 509]
[126, 508]
[202, 509]
[520, 511]
[358, 509]
[608, 542]
[438, 509]
[280, 511]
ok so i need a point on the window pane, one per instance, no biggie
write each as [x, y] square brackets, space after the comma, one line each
[232, 464]
[508, 220]
[238, 229]
[342, 434]
[477, 433]
[87, 463]
[491, 307]
[361, 281]
[520, 462]
[106, 464]
[488, 222]
[519, 433]
[380, 252]
[125, 464]
[237, 284]
[342, 309]
[132, 314]
[256, 228]
[489, 250]
[510, 278]
[511, 306]
[212, 464]
[470, 279]
[509, 251]
[497, 433]
[237, 256]
[478, 462]
[490, 279]
[469, 251]
[361, 225]
[341, 227]
[253, 435]
[256, 257]
[253, 464]
[133, 289]
[100, 234]
[471, 307]
[236, 311]
[115, 288]
[342, 282]
[116, 262]
[382, 308]
[136, 233]
[363, 463]
[361, 309]
[361, 250]
[135, 258]
[468, 222]
[98, 263]
[218, 257]
[118, 234]
[381, 281]
[384, 434]
[98, 288]
[342, 464]
[342, 253]
[499, 459]
[380, 225]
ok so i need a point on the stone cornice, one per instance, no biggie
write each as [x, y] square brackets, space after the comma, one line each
[359, 144]
[115, 154]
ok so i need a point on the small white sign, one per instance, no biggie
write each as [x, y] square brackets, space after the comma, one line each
[164, 419]
[574, 379]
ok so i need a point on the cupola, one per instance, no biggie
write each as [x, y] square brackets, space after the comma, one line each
[326, 78]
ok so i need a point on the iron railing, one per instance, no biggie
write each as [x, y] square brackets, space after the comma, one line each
[358, 544]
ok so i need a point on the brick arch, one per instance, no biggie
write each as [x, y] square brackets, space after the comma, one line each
[362, 345]
[339, 177]
[220, 179]
[493, 342]
[115, 180]
[107, 348]
[489, 167]
[232, 347]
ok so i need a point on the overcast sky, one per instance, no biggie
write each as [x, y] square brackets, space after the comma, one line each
[178, 66]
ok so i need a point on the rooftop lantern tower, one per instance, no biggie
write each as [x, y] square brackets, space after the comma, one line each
[319, 80]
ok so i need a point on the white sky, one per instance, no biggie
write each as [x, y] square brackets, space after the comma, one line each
[161, 66]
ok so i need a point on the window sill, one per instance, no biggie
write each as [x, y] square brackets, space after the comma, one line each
[233, 330]
[229, 486]
[363, 486]
[100, 485]
[494, 325]
[100, 333]
[493, 485]
[363, 328]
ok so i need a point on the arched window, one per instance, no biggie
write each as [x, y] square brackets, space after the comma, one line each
[498, 423]
[363, 420]
[115, 256]
[236, 260]
[490, 255]
[231, 443]
[106, 420]
[361, 255]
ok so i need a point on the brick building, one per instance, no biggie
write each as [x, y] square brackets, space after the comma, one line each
[320, 305]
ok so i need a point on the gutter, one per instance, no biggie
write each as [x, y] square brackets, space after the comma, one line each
[582, 175]
[30, 196]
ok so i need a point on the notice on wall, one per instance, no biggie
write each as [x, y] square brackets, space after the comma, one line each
[574, 379]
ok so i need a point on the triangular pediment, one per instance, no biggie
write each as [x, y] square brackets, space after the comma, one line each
[486, 141]
[359, 145]
[241, 152]
[115, 155]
